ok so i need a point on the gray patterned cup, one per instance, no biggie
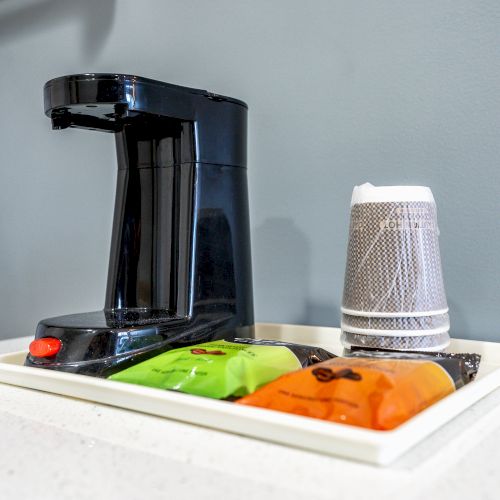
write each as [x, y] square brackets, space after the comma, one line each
[393, 263]
[434, 343]
[403, 333]
[431, 324]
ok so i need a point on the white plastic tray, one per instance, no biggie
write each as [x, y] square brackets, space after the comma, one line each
[380, 447]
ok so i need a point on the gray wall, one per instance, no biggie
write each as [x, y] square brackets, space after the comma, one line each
[340, 92]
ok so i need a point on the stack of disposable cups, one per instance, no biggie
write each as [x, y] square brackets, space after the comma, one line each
[394, 295]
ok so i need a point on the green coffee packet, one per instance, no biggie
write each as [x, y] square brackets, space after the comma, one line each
[222, 369]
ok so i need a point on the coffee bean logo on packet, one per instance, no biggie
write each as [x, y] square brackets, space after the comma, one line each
[204, 351]
[327, 374]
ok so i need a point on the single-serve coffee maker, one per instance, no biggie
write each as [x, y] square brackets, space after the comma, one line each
[180, 266]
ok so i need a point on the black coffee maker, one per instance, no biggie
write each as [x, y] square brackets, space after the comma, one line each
[180, 266]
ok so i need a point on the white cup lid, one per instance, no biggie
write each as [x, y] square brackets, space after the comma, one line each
[368, 193]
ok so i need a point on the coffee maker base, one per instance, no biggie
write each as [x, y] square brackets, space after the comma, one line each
[100, 343]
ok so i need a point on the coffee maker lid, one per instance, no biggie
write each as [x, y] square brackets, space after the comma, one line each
[368, 193]
[109, 101]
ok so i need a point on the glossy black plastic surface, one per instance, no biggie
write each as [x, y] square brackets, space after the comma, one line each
[102, 101]
[180, 266]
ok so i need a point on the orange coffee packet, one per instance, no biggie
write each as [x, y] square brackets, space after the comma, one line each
[378, 392]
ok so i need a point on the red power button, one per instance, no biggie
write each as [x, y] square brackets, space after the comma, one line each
[42, 348]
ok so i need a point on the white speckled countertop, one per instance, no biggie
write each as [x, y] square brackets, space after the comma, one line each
[54, 447]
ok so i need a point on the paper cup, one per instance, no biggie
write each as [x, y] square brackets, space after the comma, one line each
[393, 264]
[437, 342]
[426, 324]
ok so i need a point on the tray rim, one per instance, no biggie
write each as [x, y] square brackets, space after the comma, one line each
[376, 447]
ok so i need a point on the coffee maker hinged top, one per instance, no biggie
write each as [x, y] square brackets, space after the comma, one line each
[180, 267]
